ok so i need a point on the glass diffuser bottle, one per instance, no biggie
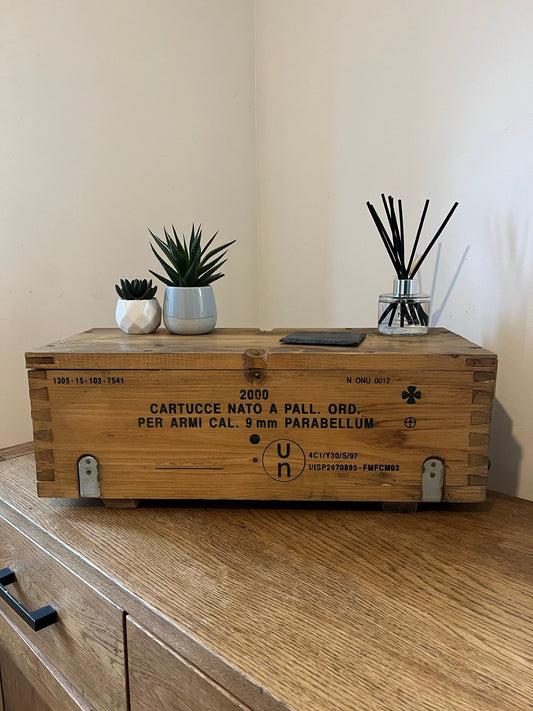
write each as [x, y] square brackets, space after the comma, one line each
[404, 312]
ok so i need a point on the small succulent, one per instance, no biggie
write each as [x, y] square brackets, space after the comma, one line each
[188, 263]
[136, 289]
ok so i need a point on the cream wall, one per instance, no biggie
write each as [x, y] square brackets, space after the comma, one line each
[115, 117]
[119, 116]
[415, 98]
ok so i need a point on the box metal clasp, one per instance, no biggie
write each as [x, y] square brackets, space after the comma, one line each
[88, 477]
[432, 479]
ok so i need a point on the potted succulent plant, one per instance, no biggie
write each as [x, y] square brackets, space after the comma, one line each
[189, 305]
[138, 310]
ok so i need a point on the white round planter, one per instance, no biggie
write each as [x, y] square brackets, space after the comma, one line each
[189, 310]
[139, 316]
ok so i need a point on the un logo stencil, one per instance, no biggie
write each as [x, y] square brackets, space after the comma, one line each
[283, 460]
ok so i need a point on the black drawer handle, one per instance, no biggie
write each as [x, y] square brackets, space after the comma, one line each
[37, 620]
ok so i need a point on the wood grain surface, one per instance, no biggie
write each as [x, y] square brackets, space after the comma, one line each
[224, 348]
[29, 681]
[316, 607]
[20, 695]
[216, 458]
[17, 451]
[1, 692]
[158, 676]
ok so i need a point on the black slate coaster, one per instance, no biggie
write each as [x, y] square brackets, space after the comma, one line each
[324, 338]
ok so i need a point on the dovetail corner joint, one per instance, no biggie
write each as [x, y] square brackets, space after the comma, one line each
[481, 376]
[43, 456]
[485, 362]
[41, 415]
[479, 439]
[43, 435]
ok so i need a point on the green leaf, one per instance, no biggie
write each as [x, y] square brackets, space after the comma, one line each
[172, 273]
[170, 243]
[195, 236]
[209, 281]
[176, 260]
[207, 275]
[127, 290]
[179, 243]
[180, 255]
[163, 279]
[195, 251]
[216, 251]
[206, 246]
[164, 248]
[191, 276]
[216, 260]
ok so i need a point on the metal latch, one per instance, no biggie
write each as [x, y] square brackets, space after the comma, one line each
[432, 479]
[88, 476]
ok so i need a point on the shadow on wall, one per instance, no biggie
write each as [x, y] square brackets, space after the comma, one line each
[505, 272]
[507, 314]
[505, 453]
[435, 315]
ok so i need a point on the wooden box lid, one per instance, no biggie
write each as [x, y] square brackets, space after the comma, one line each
[233, 349]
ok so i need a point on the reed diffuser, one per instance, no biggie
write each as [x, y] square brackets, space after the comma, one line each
[404, 311]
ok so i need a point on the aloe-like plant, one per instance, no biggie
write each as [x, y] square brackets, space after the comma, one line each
[189, 263]
[136, 289]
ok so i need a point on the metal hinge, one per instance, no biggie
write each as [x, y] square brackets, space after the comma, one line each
[88, 476]
[432, 479]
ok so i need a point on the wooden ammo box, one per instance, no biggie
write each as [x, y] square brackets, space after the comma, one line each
[238, 415]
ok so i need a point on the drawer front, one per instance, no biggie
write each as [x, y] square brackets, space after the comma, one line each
[162, 679]
[28, 682]
[86, 644]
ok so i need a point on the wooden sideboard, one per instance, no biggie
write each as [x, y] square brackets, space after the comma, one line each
[187, 607]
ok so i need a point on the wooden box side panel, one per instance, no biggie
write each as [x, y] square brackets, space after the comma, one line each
[299, 435]
[41, 415]
[483, 388]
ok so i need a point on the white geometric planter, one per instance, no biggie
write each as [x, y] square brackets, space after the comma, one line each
[138, 316]
[189, 310]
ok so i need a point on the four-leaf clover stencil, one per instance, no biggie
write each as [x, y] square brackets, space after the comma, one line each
[412, 394]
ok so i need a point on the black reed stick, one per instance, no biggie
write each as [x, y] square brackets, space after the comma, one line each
[385, 237]
[384, 200]
[395, 243]
[430, 245]
[397, 240]
[402, 236]
[418, 232]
